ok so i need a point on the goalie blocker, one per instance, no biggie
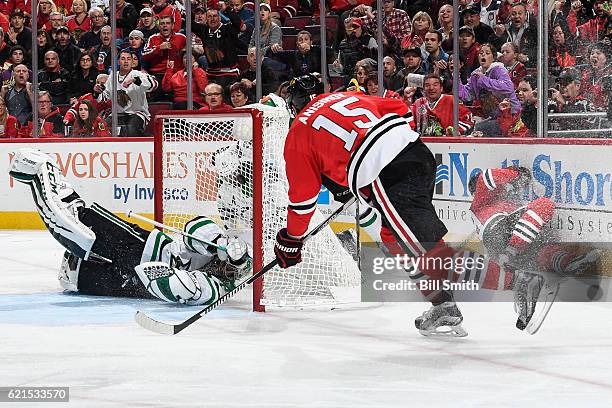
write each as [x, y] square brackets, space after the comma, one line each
[103, 251]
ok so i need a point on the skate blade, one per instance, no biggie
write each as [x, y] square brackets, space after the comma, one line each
[540, 315]
[445, 331]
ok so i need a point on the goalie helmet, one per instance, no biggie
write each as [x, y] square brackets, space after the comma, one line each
[302, 90]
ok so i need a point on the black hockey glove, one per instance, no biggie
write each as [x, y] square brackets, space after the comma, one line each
[341, 194]
[288, 250]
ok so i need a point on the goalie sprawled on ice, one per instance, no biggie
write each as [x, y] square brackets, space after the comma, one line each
[108, 256]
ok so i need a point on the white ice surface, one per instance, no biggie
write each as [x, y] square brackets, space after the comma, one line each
[370, 357]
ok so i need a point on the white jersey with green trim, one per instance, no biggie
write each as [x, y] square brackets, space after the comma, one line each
[187, 253]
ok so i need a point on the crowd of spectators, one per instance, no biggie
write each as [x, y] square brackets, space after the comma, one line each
[498, 57]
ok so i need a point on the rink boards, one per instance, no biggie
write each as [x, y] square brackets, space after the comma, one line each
[118, 174]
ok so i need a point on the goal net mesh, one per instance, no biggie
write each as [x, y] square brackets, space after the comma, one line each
[207, 169]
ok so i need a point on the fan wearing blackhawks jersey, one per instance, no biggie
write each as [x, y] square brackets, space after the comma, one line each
[108, 256]
[434, 111]
[365, 146]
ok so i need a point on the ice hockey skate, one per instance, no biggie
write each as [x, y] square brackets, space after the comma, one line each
[533, 298]
[441, 320]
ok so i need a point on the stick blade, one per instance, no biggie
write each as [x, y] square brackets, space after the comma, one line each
[153, 325]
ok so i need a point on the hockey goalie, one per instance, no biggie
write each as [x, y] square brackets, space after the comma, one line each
[108, 256]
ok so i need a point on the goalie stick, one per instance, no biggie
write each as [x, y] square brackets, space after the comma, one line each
[132, 214]
[170, 328]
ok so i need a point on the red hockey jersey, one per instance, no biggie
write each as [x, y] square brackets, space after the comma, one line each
[440, 116]
[346, 137]
[158, 58]
[490, 197]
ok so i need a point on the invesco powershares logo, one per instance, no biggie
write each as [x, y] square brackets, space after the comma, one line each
[557, 179]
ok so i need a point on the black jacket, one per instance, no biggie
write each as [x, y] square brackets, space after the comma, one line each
[221, 45]
[56, 83]
[69, 56]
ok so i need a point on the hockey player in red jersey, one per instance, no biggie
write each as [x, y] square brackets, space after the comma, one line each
[366, 146]
[514, 235]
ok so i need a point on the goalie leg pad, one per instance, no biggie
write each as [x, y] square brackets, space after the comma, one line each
[179, 286]
[55, 199]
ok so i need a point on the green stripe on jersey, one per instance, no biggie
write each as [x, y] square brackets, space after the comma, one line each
[194, 227]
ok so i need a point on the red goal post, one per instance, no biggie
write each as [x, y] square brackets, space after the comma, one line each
[229, 165]
[162, 173]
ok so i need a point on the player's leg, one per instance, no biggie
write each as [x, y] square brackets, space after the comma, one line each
[567, 262]
[403, 196]
[55, 199]
[102, 248]
[120, 246]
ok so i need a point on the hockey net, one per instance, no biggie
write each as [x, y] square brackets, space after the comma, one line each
[230, 166]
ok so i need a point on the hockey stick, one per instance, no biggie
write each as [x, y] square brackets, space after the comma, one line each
[169, 328]
[132, 214]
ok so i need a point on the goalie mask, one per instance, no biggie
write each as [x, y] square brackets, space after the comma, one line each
[301, 91]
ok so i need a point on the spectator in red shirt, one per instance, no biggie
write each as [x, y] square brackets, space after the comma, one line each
[45, 8]
[591, 85]
[468, 49]
[64, 6]
[4, 22]
[162, 9]
[177, 82]
[163, 47]
[88, 123]
[9, 125]
[561, 50]
[516, 69]
[421, 25]
[79, 22]
[102, 107]
[594, 29]
[214, 98]
[49, 119]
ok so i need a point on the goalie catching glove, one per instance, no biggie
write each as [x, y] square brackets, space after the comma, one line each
[288, 250]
